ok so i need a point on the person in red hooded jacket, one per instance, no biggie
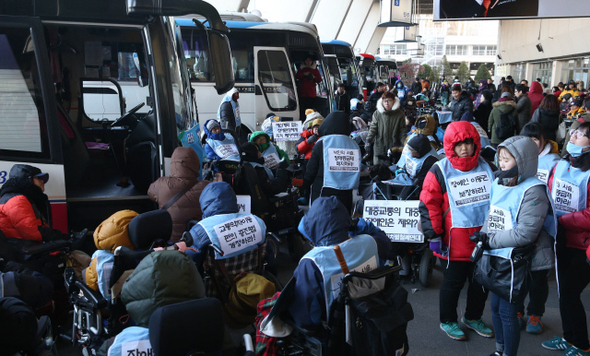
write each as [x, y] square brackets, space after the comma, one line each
[536, 95]
[454, 203]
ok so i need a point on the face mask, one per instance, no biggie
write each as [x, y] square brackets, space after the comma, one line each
[218, 136]
[575, 150]
[263, 146]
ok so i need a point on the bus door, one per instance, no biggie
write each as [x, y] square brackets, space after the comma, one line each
[333, 69]
[29, 132]
[274, 85]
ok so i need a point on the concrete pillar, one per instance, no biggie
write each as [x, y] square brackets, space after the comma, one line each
[556, 69]
[355, 20]
[365, 41]
[329, 16]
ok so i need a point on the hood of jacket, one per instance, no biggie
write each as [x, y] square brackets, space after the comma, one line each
[220, 136]
[161, 278]
[526, 152]
[326, 223]
[430, 126]
[460, 131]
[398, 82]
[336, 123]
[396, 106]
[509, 103]
[185, 163]
[114, 231]
[536, 88]
[218, 198]
[257, 134]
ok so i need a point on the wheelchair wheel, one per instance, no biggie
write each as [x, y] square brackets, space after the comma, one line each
[297, 246]
[425, 268]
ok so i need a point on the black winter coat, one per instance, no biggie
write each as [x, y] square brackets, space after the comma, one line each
[461, 106]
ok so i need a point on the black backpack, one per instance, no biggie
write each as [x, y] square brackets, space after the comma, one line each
[507, 126]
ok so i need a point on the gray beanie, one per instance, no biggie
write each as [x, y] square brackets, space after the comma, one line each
[211, 124]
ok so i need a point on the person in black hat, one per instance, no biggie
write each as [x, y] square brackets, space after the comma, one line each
[576, 109]
[25, 213]
[270, 184]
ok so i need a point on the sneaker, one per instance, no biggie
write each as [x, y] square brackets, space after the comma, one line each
[496, 353]
[574, 351]
[557, 343]
[453, 330]
[479, 327]
[534, 325]
[521, 320]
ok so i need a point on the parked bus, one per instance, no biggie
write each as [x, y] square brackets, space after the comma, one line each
[368, 73]
[63, 59]
[266, 58]
[386, 70]
[343, 66]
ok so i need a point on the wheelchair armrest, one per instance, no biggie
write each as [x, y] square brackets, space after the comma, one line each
[374, 274]
[94, 297]
[46, 247]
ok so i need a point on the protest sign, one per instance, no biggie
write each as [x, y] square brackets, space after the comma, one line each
[399, 219]
[286, 130]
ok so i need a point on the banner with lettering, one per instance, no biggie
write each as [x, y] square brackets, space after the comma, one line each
[399, 219]
[286, 130]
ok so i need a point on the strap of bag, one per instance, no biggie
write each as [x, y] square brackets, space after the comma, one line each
[179, 195]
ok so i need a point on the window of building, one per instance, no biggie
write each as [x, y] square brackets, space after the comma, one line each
[456, 50]
[491, 50]
[543, 71]
[395, 50]
[576, 69]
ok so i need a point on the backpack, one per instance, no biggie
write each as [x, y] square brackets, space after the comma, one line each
[507, 126]
[248, 290]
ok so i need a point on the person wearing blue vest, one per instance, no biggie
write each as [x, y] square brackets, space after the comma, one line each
[327, 224]
[273, 156]
[334, 166]
[548, 149]
[228, 113]
[270, 183]
[570, 192]
[421, 156]
[454, 203]
[219, 145]
[520, 215]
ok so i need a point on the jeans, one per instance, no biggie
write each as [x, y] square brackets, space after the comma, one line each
[574, 276]
[538, 293]
[455, 274]
[506, 327]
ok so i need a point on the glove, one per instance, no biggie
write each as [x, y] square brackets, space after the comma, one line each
[482, 237]
[311, 139]
[399, 171]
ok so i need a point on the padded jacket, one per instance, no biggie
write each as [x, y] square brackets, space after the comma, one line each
[461, 106]
[576, 224]
[523, 106]
[435, 213]
[184, 170]
[536, 95]
[388, 128]
[504, 105]
[304, 148]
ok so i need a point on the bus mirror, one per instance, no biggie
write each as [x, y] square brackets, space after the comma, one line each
[221, 61]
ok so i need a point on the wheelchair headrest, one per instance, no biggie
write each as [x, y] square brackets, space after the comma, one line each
[174, 330]
[148, 227]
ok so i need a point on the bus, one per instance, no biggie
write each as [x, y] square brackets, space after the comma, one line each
[386, 70]
[266, 58]
[77, 77]
[368, 72]
[343, 66]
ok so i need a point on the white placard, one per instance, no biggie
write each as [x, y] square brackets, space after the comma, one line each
[566, 196]
[137, 348]
[244, 203]
[543, 175]
[271, 161]
[499, 219]
[226, 150]
[286, 130]
[237, 234]
[399, 219]
[365, 267]
[470, 188]
[343, 160]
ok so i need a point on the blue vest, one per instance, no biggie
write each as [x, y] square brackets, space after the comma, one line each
[570, 187]
[360, 253]
[104, 266]
[225, 149]
[546, 164]
[271, 157]
[234, 234]
[133, 340]
[268, 171]
[406, 152]
[342, 162]
[468, 193]
[483, 135]
[506, 202]
[414, 165]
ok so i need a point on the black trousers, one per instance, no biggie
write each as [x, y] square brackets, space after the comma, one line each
[538, 293]
[455, 274]
[574, 276]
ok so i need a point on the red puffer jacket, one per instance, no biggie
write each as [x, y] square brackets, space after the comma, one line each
[304, 148]
[19, 220]
[576, 224]
[435, 213]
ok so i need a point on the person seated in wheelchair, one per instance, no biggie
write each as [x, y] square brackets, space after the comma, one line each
[365, 247]
[273, 156]
[219, 145]
[237, 239]
[270, 183]
[417, 162]
[161, 278]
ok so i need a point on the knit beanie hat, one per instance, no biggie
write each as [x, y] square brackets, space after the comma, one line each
[250, 153]
[212, 124]
[309, 111]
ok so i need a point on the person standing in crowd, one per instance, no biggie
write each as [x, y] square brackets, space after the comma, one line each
[511, 82]
[548, 149]
[461, 102]
[447, 215]
[523, 105]
[308, 76]
[483, 85]
[556, 91]
[228, 113]
[570, 178]
[482, 113]
[374, 98]
[523, 202]
[536, 94]
[184, 173]
[334, 146]
[525, 83]
[571, 90]
[491, 85]
[445, 92]
[342, 99]
[505, 105]
[388, 127]
[304, 147]
[547, 115]
[402, 91]
[416, 87]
